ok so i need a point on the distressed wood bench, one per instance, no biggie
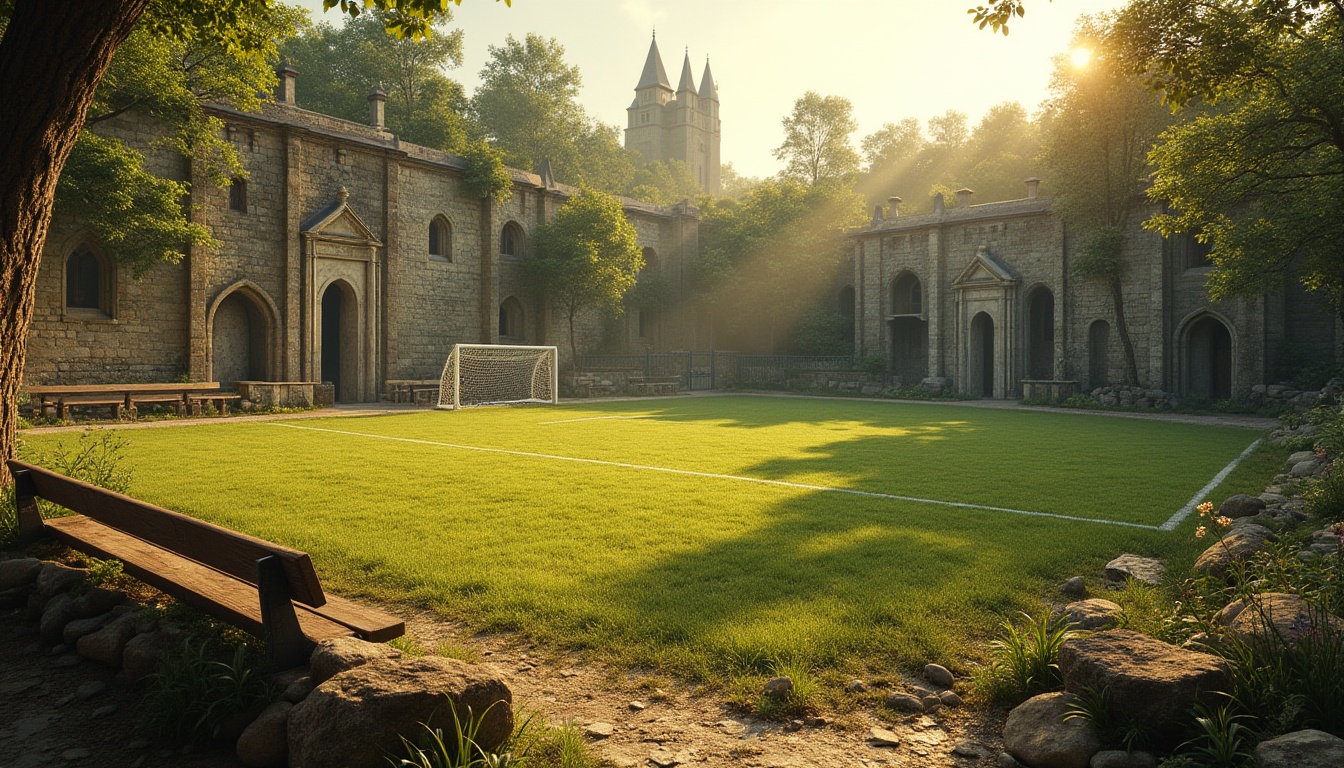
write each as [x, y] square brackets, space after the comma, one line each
[220, 400]
[120, 397]
[655, 385]
[265, 589]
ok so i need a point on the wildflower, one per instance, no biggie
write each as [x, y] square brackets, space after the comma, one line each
[1205, 509]
[1223, 521]
[1200, 531]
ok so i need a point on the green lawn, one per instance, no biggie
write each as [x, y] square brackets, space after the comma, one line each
[704, 575]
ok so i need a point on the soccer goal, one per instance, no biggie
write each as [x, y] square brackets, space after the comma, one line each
[497, 374]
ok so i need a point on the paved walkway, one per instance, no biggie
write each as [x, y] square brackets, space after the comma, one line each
[1261, 423]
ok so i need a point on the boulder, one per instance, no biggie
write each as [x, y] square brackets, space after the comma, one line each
[55, 578]
[1144, 569]
[1241, 505]
[1119, 758]
[19, 572]
[339, 654]
[904, 702]
[1299, 457]
[938, 675]
[1239, 543]
[298, 690]
[1271, 614]
[1305, 468]
[1074, 587]
[1150, 681]
[60, 610]
[1093, 614]
[778, 687]
[141, 655]
[263, 743]
[1301, 749]
[357, 717]
[107, 645]
[81, 627]
[1037, 734]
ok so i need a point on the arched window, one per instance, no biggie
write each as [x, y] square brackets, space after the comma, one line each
[511, 241]
[238, 194]
[650, 262]
[88, 283]
[907, 295]
[511, 319]
[440, 239]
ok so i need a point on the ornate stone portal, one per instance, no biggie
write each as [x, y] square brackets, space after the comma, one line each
[986, 324]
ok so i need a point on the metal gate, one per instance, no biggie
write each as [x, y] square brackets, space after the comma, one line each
[700, 370]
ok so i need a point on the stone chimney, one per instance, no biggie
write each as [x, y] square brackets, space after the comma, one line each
[964, 197]
[284, 90]
[377, 108]
[1033, 187]
[938, 203]
[893, 207]
[877, 215]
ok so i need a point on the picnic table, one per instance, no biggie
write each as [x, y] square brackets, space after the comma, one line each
[408, 390]
[185, 396]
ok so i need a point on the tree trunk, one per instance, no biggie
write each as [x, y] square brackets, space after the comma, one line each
[1126, 343]
[51, 61]
[573, 347]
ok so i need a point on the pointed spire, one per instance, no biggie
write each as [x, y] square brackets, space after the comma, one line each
[687, 79]
[709, 90]
[654, 74]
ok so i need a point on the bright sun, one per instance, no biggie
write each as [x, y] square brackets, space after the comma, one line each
[1080, 57]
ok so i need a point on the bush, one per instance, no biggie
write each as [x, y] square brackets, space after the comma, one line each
[875, 364]
[457, 749]
[192, 693]
[1026, 658]
[1325, 498]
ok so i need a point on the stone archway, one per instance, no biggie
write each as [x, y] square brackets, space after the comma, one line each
[981, 377]
[1040, 333]
[909, 330]
[1098, 354]
[339, 352]
[1208, 362]
[241, 328]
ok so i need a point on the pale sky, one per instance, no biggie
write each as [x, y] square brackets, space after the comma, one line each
[891, 58]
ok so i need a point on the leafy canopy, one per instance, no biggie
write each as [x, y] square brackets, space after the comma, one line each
[816, 144]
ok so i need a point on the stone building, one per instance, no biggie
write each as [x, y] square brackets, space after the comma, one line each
[345, 256]
[982, 296]
[677, 125]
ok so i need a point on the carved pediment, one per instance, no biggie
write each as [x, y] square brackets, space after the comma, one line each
[339, 222]
[985, 271]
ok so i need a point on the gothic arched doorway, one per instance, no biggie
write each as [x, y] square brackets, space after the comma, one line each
[982, 356]
[1208, 359]
[1040, 333]
[340, 340]
[240, 340]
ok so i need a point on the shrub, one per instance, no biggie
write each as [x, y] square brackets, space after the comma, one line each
[105, 572]
[1115, 730]
[96, 458]
[459, 749]
[1325, 498]
[191, 693]
[875, 364]
[1026, 658]
[1222, 741]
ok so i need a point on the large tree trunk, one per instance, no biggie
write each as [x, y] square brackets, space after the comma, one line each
[1121, 325]
[51, 60]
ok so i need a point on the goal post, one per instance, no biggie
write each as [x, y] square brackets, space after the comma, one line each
[499, 374]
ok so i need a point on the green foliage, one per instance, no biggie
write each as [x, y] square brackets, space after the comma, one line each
[665, 183]
[192, 693]
[1026, 658]
[404, 18]
[1101, 255]
[105, 572]
[997, 14]
[1223, 740]
[340, 65]
[459, 749]
[486, 177]
[817, 147]
[822, 331]
[1115, 729]
[97, 457]
[1325, 498]
[586, 257]
[874, 363]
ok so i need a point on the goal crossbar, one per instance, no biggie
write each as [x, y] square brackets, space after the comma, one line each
[499, 374]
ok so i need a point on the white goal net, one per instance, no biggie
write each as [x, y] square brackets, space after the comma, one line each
[496, 374]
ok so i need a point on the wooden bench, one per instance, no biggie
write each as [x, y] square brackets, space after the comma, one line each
[265, 589]
[655, 385]
[121, 398]
[410, 390]
[220, 401]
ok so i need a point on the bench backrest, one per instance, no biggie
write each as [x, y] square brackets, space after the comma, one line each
[229, 551]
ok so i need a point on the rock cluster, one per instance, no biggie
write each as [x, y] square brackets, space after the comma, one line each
[1135, 397]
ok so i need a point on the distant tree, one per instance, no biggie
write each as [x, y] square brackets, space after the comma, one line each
[528, 102]
[1002, 152]
[732, 183]
[586, 258]
[665, 182]
[340, 65]
[599, 160]
[816, 144]
[1099, 127]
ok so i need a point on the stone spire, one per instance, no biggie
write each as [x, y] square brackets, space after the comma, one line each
[709, 90]
[687, 79]
[654, 74]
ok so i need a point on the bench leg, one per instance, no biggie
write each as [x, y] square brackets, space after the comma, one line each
[25, 502]
[286, 647]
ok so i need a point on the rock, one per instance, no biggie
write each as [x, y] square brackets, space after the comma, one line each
[337, 655]
[1150, 681]
[931, 703]
[1037, 734]
[107, 645]
[141, 654]
[81, 627]
[76, 754]
[1144, 569]
[881, 737]
[904, 702]
[793, 726]
[298, 690]
[61, 609]
[1239, 543]
[54, 578]
[779, 687]
[1290, 617]
[949, 699]
[1273, 498]
[856, 686]
[104, 711]
[1006, 760]
[1305, 468]
[599, 730]
[1119, 758]
[972, 749]
[1241, 505]
[938, 675]
[1299, 457]
[97, 600]
[19, 572]
[264, 744]
[90, 689]
[1093, 614]
[814, 721]
[1301, 749]
[1074, 587]
[357, 717]
[637, 706]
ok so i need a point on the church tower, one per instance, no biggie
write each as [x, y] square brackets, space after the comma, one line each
[676, 125]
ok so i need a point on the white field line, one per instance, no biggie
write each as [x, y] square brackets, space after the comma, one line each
[591, 418]
[738, 478]
[1185, 511]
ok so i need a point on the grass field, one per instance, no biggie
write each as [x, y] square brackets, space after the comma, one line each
[705, 536]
